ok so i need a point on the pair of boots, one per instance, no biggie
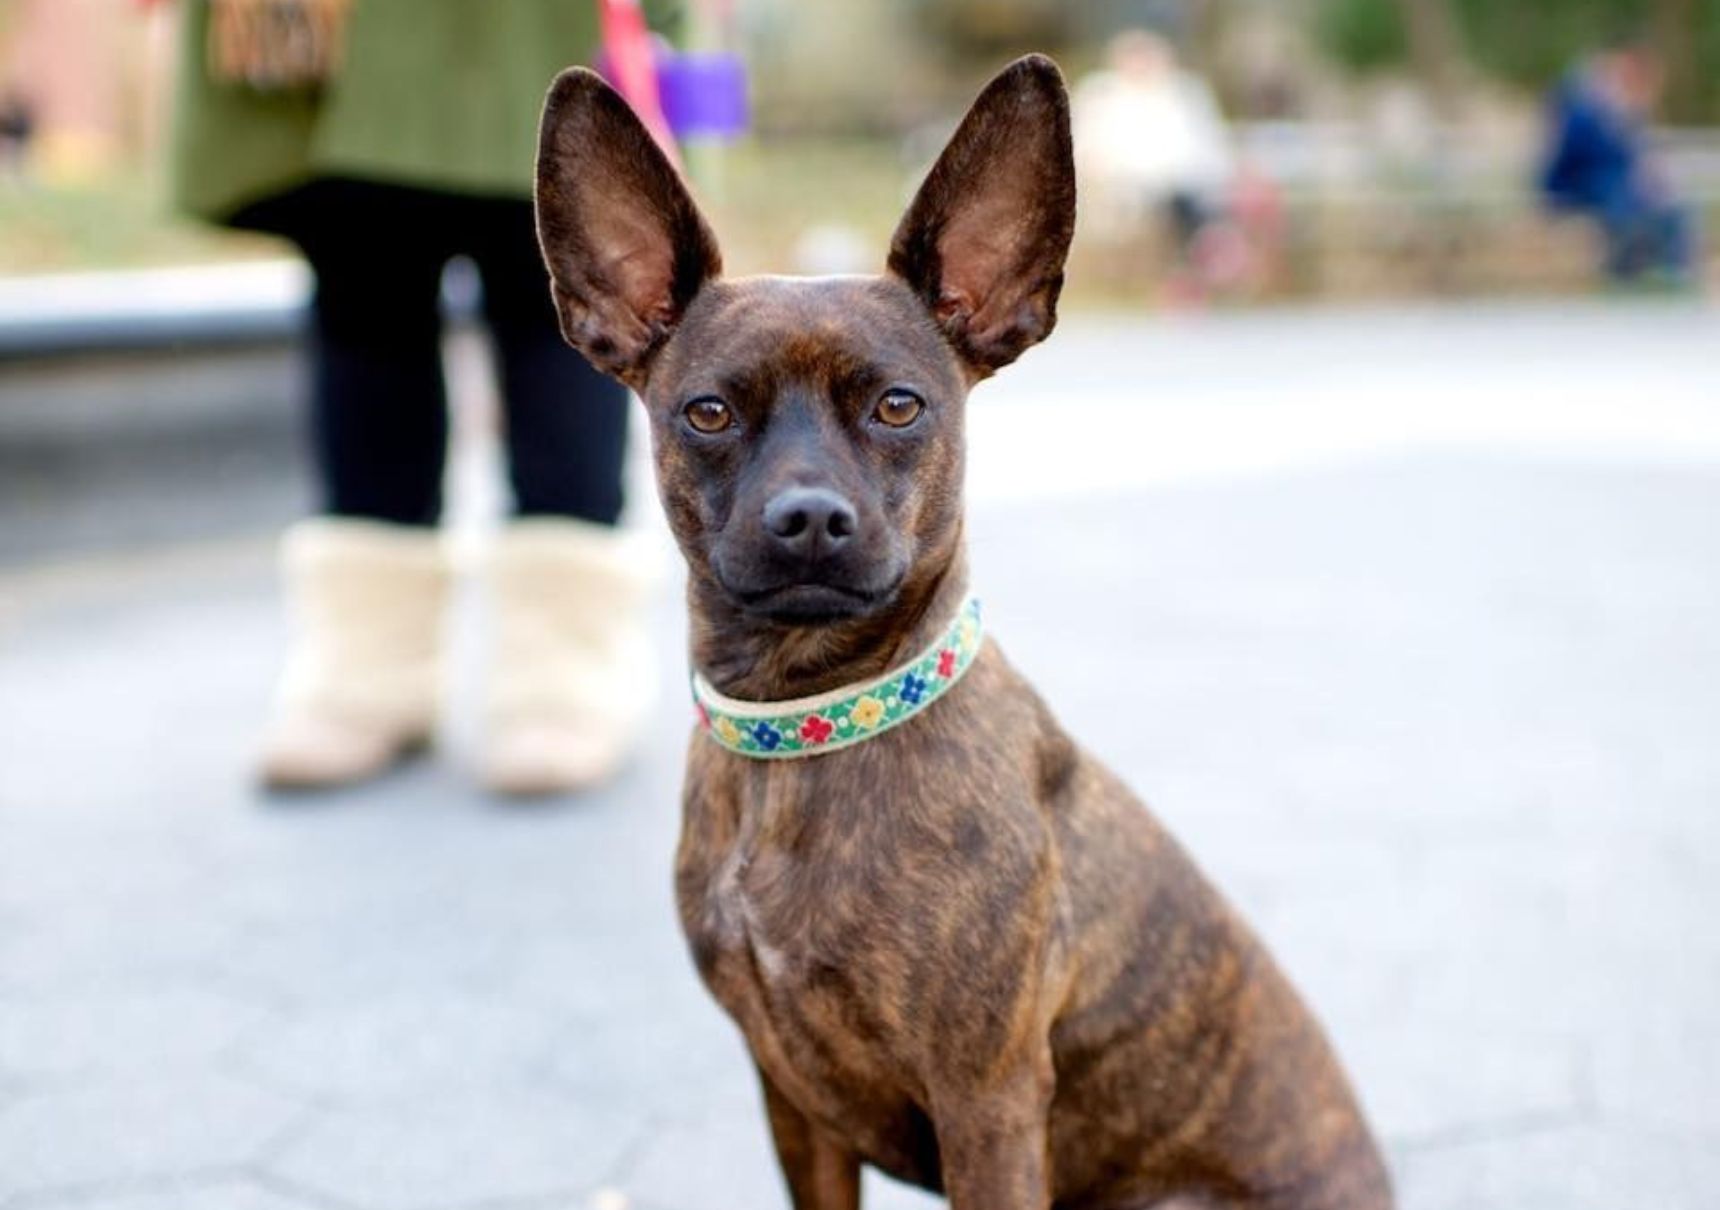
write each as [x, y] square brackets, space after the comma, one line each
[571, 674]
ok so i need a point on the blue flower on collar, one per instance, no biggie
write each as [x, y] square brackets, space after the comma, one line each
[766, 736]
[913, 688]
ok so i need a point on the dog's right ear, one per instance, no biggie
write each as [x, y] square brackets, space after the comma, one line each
[626, 247]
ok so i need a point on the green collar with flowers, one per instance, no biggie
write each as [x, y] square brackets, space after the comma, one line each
[810, 726]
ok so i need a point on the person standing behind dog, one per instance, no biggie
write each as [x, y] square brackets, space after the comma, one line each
[385, 137]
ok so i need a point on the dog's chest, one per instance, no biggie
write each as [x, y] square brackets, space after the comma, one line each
[749, 944]
[787, 942]
[785, 950]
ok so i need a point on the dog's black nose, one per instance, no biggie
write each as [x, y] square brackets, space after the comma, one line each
[807, 521]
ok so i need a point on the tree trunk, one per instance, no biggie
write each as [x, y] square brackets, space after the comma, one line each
[1675, 36]
[1204, 42]
[1435, 52]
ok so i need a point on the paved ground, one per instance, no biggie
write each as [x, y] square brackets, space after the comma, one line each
[1405, 624]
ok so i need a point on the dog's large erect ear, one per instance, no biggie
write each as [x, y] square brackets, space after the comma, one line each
[626, 247]
[985, 239]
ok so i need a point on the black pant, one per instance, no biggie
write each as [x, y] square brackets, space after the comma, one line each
[379, 414]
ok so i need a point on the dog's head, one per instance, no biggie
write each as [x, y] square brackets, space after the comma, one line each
[808, 431]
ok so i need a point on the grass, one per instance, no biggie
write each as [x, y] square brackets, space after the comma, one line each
[761, 197]
[121, 223]
[764, 196]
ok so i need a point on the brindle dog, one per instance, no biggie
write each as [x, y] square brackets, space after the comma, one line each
[961, 951]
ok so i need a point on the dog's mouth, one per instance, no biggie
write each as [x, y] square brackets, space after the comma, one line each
[813, 603]
[762, 584]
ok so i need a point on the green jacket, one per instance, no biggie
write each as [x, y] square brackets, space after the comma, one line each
[437, 93]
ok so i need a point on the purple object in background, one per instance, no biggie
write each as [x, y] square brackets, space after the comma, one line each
[704, 93]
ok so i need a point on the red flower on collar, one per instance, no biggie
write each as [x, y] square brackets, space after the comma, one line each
[816, 729]
[946, 663]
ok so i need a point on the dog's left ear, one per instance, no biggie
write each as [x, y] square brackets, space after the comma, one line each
[984, 242]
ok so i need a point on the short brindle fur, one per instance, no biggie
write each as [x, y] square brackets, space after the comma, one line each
[963, 951]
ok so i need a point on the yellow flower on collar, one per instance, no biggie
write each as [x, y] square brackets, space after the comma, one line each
[729, 733]
[867, 711]
[968, 634]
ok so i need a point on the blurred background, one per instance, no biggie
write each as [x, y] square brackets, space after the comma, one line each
[1400, 140]
[1379, 436]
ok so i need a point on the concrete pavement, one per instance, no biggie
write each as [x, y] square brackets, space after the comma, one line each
[1405, 624]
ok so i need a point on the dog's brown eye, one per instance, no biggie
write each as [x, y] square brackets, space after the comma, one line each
[709, 415]
[899, 409]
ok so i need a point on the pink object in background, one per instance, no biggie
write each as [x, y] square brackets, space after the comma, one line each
[633, 69]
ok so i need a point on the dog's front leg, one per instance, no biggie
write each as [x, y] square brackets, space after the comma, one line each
[821, 1175]
[993, 1144]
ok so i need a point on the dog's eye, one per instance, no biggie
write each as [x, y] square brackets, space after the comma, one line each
[899, 409]
[709, 415]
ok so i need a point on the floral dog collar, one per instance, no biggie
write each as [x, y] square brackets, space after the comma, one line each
[843, 717]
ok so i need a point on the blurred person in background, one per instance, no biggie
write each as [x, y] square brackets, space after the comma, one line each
[17, 123]
[1599, 164]
[383, 138]
[1151, 142]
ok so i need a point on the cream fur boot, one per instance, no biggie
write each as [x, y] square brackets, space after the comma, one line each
[573, 673]
[362, 682]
